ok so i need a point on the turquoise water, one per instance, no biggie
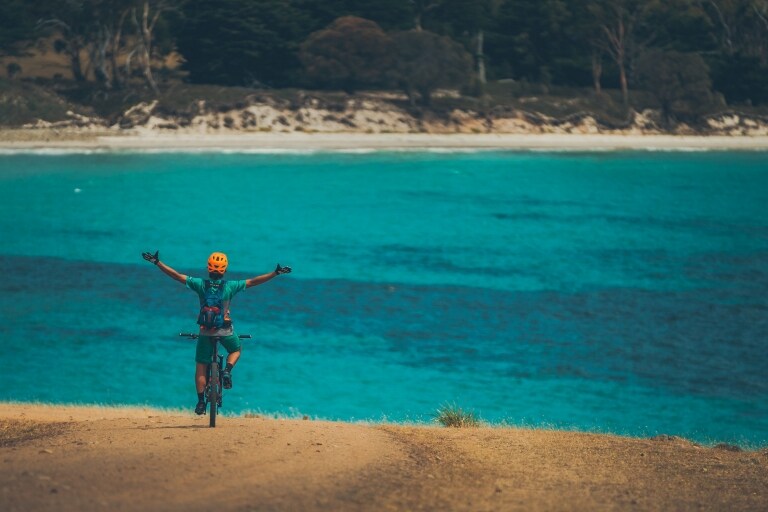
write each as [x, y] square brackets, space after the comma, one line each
[618, 292]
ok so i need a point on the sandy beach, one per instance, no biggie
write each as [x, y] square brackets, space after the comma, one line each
[90, 458]
[297, 141]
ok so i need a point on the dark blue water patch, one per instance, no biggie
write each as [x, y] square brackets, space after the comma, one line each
[745, 274]
[435, 259]
[690, 342]
[89, 233]
[693, 342]
[695, 225]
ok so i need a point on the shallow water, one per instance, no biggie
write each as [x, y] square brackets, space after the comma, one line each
[620, 292]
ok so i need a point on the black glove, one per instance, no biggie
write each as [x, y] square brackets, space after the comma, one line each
[282, 270]
[153, 258]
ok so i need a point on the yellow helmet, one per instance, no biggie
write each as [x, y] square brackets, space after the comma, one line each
[217, 262]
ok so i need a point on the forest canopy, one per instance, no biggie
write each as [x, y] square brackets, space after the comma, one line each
[679, 50]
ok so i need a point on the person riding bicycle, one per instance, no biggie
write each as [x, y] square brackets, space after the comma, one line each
[226, 290]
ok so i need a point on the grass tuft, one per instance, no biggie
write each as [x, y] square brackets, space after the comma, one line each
[451, 415]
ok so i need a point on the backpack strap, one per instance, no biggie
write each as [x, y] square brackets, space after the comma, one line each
[208, 284]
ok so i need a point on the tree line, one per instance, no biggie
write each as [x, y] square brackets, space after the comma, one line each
[682, 50]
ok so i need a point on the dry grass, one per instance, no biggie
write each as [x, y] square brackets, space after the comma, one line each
[15, 432]
[451, 415]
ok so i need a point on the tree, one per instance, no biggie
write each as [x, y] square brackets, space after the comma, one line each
[682, 25]
[680, 81]
[96, 28]
[388, 14]
[426, 61]
[741, 79]
[617, 20]
[145, 17]
[467, 20]
[16, 26]
[420, 9]
[739, 67]
[241, 42]
[528, 35]
[760, 7]
[72, 20]
[349, 54]
[104, 41]
[742, 24]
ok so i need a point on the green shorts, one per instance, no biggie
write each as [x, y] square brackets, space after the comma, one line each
[230, 343]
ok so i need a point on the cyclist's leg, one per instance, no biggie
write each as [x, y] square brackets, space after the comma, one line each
[200, 375]
[202, 359]
[233, 346]
[233, 357]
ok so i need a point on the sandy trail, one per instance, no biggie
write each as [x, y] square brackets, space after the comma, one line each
[140, 459]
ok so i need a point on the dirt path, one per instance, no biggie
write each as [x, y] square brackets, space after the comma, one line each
[73, 459]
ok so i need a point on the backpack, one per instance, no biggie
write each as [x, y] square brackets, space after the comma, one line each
[212, 308]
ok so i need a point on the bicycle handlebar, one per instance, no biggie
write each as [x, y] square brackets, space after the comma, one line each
[194, 335]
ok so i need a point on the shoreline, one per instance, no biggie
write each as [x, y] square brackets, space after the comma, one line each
[12, 141]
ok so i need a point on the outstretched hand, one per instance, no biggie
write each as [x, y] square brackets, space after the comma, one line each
[282, 270]
[152, 258]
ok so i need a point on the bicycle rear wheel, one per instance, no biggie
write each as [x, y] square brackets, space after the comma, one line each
[214, 384]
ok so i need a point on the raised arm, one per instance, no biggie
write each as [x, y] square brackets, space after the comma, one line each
[155, 259]
[266, 277]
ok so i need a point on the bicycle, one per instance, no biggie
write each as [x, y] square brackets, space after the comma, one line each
[213, 381]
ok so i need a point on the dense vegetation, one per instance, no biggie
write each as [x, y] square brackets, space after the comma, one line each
[689, 54]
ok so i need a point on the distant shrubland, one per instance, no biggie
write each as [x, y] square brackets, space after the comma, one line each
[686, 58]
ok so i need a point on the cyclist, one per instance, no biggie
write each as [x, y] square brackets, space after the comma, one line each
[217, 266]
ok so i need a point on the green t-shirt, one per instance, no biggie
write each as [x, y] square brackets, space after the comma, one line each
[231, 288]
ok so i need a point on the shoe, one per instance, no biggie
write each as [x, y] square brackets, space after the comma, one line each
[200, 409]
[226, 379]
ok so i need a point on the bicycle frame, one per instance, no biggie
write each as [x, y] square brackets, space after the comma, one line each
[214, 389]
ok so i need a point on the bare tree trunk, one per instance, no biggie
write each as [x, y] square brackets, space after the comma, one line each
[146, 36]
[129, 63]
[480, 59]
[98, 56]
[117, 80]
[411, 96]
[724, 24]
[618, 36]
[147, 69]
[421, 7]
[144, 45]
[620, 54]
[597, 70]
[73, 50]
[426, 97]
[624, 84]
[417, 22]
[761, 10]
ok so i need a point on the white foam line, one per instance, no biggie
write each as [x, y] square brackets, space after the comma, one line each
[53, 151]
[364, 151]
